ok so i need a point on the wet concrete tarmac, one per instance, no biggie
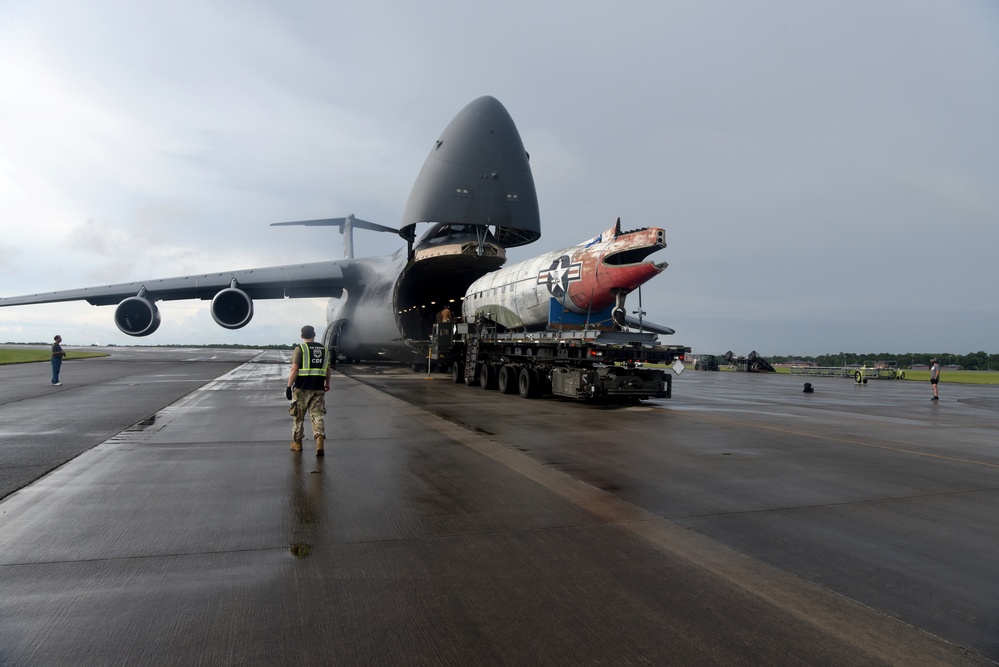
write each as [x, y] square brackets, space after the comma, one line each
[738, 523]
[42, 426]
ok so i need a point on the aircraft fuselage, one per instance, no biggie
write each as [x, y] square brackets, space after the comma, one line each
[584, 279]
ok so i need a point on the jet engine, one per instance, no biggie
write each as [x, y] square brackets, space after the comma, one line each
[232, 308]
[137, 316]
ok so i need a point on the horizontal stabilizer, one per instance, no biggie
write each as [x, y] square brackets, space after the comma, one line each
[645, 325]
[346, 226]
[339, 222]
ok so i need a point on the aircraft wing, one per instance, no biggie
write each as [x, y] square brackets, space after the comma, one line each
[316, 279]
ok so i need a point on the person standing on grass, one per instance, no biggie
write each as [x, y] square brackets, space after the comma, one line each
[57, 354]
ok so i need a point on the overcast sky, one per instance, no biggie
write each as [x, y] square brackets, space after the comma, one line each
[827, 172]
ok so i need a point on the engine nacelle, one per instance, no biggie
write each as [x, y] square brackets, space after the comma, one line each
[137, 316]
[232, 308]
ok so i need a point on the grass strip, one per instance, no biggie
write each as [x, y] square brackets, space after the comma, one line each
[30, 356]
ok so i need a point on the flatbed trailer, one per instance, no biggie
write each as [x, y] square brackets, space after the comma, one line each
[590, 364]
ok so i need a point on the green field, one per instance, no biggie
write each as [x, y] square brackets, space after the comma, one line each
[955, 377]
[8, 356]
[28, 356]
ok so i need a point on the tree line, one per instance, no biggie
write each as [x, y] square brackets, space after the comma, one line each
[975, 361]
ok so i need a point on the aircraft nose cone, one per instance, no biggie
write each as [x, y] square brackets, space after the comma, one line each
[478, 173]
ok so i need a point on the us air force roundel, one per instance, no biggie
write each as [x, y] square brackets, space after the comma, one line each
[558, 276]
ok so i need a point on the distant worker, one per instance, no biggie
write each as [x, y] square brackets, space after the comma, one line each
[57, 354]
[934, 378]
[446, 314]
[307, 386]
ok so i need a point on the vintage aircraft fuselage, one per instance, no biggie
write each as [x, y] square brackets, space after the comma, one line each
[586, 279]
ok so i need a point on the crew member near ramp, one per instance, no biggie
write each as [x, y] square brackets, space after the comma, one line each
[57, 355]
[307, 386]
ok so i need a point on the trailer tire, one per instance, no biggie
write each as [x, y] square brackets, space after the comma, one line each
[458, 372]
[487, 376]
[507, 380]
[527, 383]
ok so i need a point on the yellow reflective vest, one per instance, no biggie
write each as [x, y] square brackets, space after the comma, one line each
[315, 364]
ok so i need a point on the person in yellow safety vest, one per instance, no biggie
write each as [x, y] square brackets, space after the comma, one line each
[307, 386]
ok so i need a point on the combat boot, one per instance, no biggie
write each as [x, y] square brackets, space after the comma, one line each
[296, 445]
[320, 441]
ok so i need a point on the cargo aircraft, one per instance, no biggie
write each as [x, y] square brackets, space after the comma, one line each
[475, 190]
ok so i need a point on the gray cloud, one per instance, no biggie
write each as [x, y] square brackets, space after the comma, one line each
[824, 172]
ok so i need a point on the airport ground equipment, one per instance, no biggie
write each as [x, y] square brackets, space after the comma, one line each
[879, 370]
[754, 363]
[591, 364]
[876, 370]
[706, 362]
[825, 371]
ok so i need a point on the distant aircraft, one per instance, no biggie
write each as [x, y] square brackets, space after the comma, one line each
[477, 192]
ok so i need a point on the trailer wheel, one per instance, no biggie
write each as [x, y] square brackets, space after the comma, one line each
[507, 380]
[458, 372]
[527, 384]
[487, 376]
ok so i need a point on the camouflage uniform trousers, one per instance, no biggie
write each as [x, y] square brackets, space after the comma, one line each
[313, 402]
